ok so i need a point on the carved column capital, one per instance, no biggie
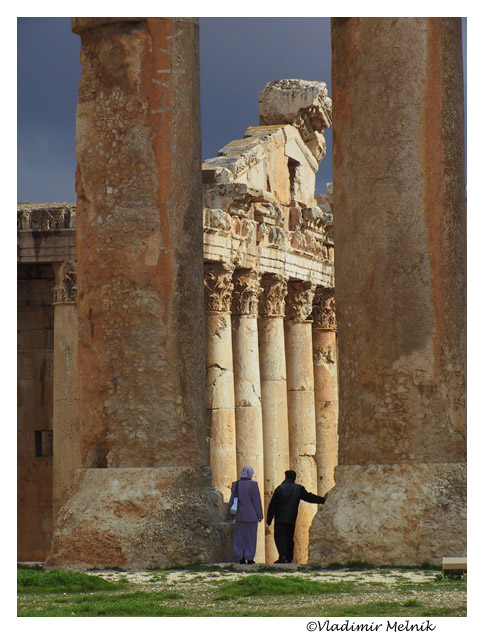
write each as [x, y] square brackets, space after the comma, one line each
[323, 314]
[65, 291]
[218, 287]
[300, 300]
[246, 292]
[273, 294]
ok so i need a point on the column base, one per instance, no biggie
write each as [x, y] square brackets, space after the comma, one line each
[140, 518]
[403, 514]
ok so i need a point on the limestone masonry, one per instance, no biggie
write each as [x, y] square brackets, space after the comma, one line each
[267, 253]
[180, 321]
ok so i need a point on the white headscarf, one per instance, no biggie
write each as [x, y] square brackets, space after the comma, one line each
[247, 472]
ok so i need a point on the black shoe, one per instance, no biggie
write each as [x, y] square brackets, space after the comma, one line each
[280, 561]
[251, 562]
[242, 561]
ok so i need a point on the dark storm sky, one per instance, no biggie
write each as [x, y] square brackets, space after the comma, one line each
[238, 57]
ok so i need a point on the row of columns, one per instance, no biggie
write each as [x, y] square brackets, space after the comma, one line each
[260, 386]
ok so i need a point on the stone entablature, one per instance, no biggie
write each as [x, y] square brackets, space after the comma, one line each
[47, 216]
[46, 232]
[260, 210]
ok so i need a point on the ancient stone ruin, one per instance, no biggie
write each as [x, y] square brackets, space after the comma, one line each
[400, 293]
[168, 287]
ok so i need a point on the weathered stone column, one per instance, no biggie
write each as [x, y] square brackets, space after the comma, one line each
[140, 303]
[247, 385]
[65, 415]
[326, 389]
[399, 196]
[301, 403]
[272, 364]
[219, 390]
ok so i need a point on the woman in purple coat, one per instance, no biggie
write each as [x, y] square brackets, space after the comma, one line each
[249, 513]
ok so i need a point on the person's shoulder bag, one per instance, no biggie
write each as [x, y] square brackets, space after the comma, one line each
[235, 502]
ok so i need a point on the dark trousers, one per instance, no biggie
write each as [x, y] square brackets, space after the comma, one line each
[283, 537]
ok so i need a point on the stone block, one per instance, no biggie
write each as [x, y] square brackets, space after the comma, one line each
[402, 514]
[281, 101]
[140, 518]
[257, 176]
[296, 149]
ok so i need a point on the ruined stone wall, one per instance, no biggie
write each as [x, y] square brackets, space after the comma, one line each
[268, 249]
[34, 423]
[268, 253]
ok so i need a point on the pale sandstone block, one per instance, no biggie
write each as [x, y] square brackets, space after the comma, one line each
[326, 407]
[222, 449]
[257, 176]
[296, 149]
[402, 514]
[281, 101]
[138, 519]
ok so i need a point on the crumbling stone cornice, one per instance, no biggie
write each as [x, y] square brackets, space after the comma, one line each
[46, 216]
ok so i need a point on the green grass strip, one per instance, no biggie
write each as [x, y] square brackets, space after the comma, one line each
[33, 581]
[266, 585]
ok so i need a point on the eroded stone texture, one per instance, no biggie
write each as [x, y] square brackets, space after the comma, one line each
[260, 216]
[65, 415]
[301, 103]
[219, 390]
[259, 198]
[274, 403]
[262, 219]
[400, 272]
[46, 232]
[140, 348]
[402, 514]
[140, 303]
[145, 518]
[326, 389]
[247, 384]
[301, 403]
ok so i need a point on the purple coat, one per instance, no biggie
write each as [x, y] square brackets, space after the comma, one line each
[249, 508]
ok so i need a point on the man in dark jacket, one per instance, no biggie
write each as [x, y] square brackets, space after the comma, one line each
[283, 507]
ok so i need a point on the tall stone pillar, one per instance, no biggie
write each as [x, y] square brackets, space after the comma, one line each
[301, 403]
[140, 303]
[399, 192]
[272, 364]
[65, 415]
[219, 390]
[326, 389]
[247, 384]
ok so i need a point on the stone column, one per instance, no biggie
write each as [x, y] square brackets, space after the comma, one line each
[219, 389]
[272, 364]
[140, 302]
[326, 391]
[247, 384]
[301, 403]
[399, 190]
[65, 416]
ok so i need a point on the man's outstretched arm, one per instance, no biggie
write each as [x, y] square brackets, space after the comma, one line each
[312, 498]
